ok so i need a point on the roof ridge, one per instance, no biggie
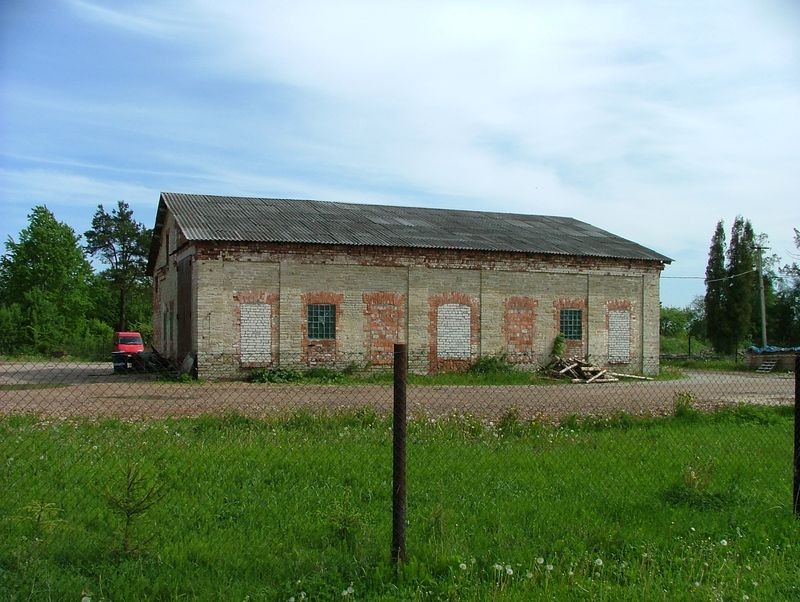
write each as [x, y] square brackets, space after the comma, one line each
[272, 219]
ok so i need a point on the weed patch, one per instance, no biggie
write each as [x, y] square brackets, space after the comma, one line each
[275, 375]
[683, 406]
[695, 488]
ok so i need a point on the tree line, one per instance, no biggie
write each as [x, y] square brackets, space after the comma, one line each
[729, 316]
[53, 302]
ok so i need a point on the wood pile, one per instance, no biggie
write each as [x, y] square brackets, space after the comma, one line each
[580, 371]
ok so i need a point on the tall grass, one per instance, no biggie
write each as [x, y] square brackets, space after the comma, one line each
[695, 507]
[717, 364]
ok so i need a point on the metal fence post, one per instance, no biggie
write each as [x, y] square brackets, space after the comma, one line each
[796, 488]
[399, 455]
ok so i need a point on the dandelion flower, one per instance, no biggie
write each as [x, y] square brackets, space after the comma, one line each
[598, 561]
[462, 566]
[697, 584]
[529, 575]
[540, 560]
[549, 567]
[498, 567]
[509, 570]
[723, 542]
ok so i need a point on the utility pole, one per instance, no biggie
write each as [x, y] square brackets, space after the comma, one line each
[763, 302]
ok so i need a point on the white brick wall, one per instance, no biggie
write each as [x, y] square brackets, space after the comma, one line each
[619, 336]
[256, 333]
[453, 331]
[602, 288]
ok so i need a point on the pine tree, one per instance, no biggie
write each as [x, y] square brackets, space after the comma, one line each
[716, 322]
[741, 282]
[123, 244]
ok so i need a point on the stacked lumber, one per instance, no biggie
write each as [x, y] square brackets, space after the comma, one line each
[580, 371]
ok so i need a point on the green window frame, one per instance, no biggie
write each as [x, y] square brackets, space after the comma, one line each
[571, 324]
[321, 321]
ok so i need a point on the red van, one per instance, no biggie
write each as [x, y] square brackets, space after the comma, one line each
[127, 347]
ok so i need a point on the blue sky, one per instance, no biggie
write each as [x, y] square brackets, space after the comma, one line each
[649, 119]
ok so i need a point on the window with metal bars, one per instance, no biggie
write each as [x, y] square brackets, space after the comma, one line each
[321, 321]
[572, 324]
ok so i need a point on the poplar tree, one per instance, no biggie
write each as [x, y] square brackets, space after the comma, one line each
[741, 283]
[716, 323]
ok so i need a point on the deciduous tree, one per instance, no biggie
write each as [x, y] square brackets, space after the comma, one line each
[784, 326]
[44, 283]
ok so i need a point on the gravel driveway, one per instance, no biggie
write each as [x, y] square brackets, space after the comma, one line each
[64, 390]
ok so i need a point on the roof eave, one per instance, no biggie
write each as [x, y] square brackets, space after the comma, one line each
[155, 241]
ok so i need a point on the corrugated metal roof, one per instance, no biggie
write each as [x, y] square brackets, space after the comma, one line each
[244, 219]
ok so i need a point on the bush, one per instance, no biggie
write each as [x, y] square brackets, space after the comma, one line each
[94, 343]
[559, 345]
[274, 375]
[11, 329]
[324, 375]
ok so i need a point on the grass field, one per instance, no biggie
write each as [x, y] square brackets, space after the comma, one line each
[693, 507]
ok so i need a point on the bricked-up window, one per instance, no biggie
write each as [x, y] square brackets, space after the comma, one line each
[256, 333]
[571, 324]
[453, 331]
[619, 336]
[321, 321]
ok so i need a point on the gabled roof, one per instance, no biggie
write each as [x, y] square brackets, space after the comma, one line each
[243, 219]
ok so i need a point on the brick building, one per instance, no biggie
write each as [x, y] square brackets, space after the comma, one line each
[252, 282]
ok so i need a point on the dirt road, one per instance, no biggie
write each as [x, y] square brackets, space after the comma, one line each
[63, 390]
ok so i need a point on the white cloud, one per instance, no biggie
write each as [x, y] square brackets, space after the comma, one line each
[72, 197]
[145, 20]
[652, 120]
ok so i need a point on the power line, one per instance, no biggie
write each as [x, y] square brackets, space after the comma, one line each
[771, 277]
[708, 281]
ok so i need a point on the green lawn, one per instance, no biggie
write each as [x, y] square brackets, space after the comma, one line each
[682, 508]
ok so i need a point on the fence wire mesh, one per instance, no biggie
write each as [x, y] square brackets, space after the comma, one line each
[277, 484]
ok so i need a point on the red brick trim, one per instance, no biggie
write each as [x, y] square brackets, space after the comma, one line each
[435, 363]
[519, 328]
[321, 351]
[256, 296]
[384, 325]
[573, 348]
[616, 305]
[406, 256]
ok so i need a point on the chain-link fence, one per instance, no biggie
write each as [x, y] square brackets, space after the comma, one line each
[566, 480]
